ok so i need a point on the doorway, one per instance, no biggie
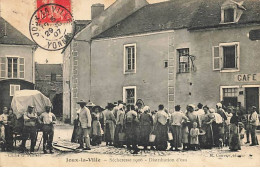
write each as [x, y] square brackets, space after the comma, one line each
[252, 98]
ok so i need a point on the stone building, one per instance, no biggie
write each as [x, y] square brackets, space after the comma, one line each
[174, 52]
[49, 81]
[16, 62]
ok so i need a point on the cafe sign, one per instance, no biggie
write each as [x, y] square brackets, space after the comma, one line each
[255, 77]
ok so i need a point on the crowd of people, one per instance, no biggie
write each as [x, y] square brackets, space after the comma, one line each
[136, 126]
[26, 127]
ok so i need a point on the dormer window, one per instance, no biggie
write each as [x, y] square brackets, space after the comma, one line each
[229, 15]
[231, 11]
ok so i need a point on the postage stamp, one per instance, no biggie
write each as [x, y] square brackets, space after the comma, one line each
[49, 26]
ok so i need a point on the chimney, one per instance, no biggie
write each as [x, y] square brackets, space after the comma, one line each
[96, 10]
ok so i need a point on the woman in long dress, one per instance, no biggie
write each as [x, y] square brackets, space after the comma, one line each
[146, 123]
[207, 140]
[193, 118]
[110, 121]
[185, 132]
[161, 129]
[96, 126]
[234, 140]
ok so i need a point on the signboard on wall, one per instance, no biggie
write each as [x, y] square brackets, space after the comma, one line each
[254, 77]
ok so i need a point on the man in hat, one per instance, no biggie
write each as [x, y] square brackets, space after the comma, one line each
[29, 129]
[47, 119]
[254, 121]
[85, 125]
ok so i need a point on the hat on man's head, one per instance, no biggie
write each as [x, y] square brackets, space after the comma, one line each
[253, 107]
[82, 102]
[30, 106]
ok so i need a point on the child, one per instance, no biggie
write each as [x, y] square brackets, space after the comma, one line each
[194, 136]
[241, 133]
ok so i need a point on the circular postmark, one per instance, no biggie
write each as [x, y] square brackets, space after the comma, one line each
[51, 27]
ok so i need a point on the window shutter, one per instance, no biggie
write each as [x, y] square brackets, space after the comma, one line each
[237, 52]
[11, 90]
[21, 68]
[3, 67]
[216, 58]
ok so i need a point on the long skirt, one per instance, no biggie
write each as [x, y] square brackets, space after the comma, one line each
[109, 131]
[131, 131]
[118, 130]
[177, 136]
[75, 134]
[185, 134]
[9, 137]
[234, 141]
[96, 132]
[254, 136]
[207, 141]
[227, 134]
[145, 131]
[161, 137]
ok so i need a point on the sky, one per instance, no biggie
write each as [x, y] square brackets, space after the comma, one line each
[19, 14]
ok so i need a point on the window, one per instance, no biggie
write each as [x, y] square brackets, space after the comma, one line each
[230, 92]
[231, 11]
[229, 15]
[184, 61]
[226, 57]
[3, 67]
[229, 95]
[21, 67]
[13, 89]
[12, 67]
[166, 64]
[53, 77]
[229, 56]
[129, 95]
[130, 58]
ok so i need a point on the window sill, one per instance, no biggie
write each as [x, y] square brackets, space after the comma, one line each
[229, 71]
[130, 72]
[12, 78]
[225, 23]
[183, 72]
